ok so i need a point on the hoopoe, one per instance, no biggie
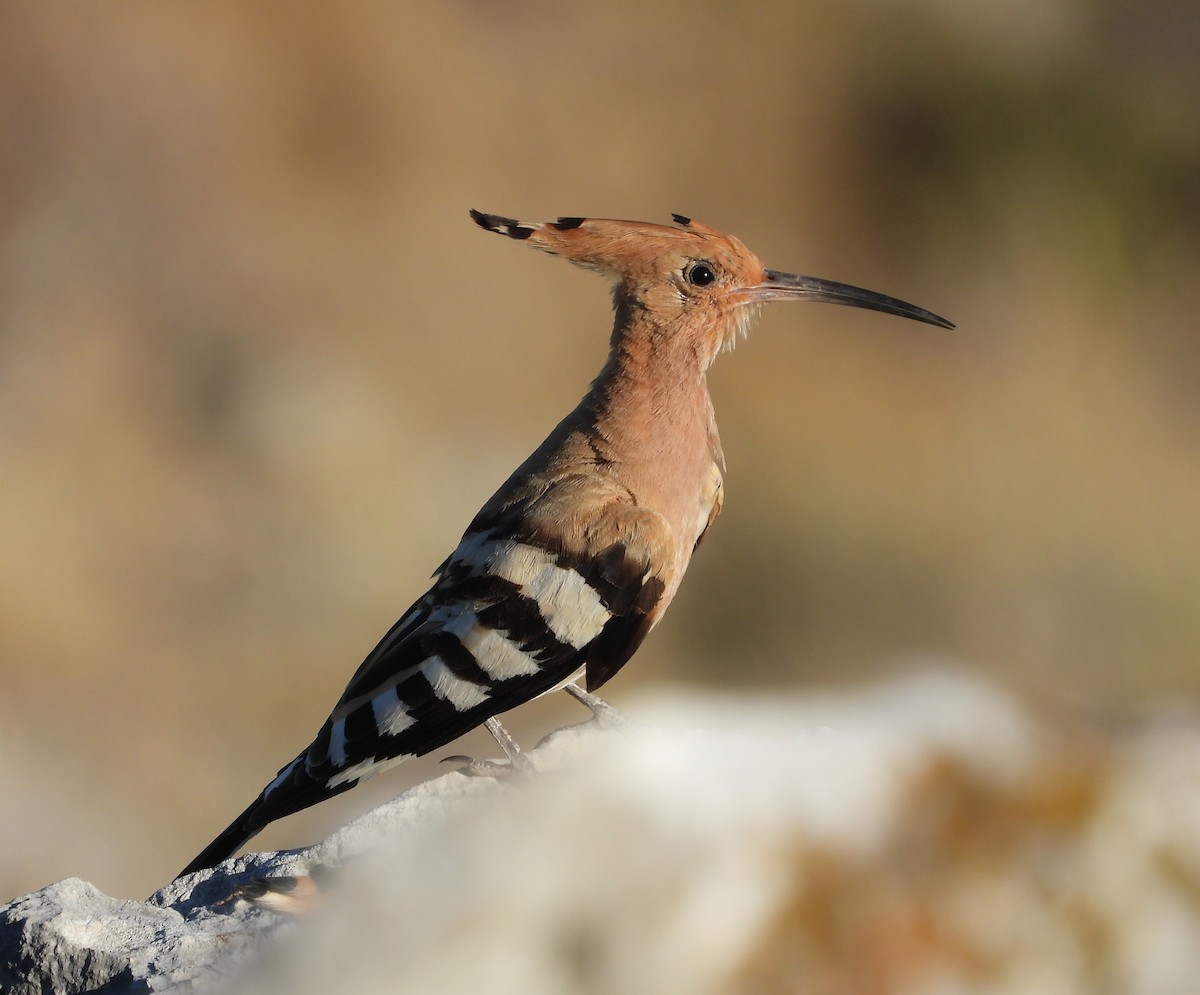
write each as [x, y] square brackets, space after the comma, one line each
[575, 558]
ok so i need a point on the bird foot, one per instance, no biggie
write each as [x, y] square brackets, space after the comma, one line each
[473, 767]
[516, 763]
[603, 714]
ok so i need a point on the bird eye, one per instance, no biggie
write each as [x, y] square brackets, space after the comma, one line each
[700, 274]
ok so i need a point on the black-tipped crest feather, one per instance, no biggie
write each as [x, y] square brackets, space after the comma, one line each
[502, 226]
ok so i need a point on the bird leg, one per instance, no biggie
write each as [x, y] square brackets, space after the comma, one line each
[517, 761]
[603, 714]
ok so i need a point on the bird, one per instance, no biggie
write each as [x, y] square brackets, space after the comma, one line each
[577, 555]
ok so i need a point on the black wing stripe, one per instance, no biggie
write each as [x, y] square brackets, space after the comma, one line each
[460, 661]
[480, 643]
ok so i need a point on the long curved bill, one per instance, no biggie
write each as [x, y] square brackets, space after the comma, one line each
[788, 287]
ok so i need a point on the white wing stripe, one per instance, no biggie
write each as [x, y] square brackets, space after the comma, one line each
[337, 743]
[569, 604]
[282, 776]
[498, 656]
[392, 717]
[367, 768]
[461, 694]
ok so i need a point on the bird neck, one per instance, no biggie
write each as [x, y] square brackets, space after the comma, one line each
[651, 398]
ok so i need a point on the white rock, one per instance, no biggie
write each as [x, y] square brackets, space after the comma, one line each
[919, 836]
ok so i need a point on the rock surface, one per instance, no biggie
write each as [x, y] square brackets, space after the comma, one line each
[70, 937]
[921, 836]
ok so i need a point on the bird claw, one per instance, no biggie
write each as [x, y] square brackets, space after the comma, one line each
[517, 762]
[471, 767]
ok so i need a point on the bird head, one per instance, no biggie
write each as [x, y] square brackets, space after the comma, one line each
[688, 277]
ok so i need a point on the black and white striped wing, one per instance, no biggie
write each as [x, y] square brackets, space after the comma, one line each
[504, 622]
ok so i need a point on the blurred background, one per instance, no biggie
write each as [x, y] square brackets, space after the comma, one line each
[257, 366]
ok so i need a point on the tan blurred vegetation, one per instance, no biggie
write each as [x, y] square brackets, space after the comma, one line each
[258, 369]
